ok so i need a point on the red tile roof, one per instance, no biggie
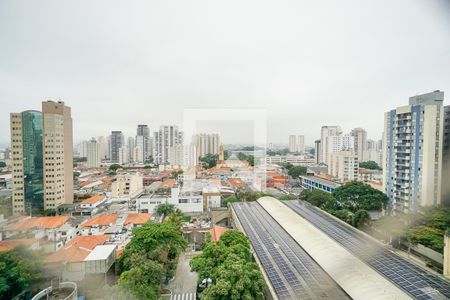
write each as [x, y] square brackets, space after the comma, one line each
[93, 199]
[38, 222]
[236, 182]
[77, 249]
[216, 232]
[137, 218]
[8, 245]
[101, 220]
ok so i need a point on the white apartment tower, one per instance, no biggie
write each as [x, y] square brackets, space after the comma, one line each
[93, 154]
[130, 148]
[297, 143]
[360, 138]
[102, 147]
[167, 137]
[339, 143]
[206, 143]
[344, 165]
[327, 131]
[412, 158]
[124, 157]
[42, 153]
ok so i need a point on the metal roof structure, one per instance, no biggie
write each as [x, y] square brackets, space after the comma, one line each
[101, 252]
[292, 273]
[414, 280]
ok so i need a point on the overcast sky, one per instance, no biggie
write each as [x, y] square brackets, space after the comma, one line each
[309, 63]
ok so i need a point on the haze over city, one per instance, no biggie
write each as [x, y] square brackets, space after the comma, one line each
[118, 66]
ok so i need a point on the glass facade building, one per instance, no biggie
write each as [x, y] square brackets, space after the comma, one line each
[33, 173]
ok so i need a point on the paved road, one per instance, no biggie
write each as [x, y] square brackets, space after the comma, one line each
[185, 281]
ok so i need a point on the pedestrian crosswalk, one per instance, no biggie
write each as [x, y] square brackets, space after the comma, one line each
[183, 296]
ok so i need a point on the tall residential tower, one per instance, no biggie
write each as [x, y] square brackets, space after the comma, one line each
[412, 159]
[42, 148]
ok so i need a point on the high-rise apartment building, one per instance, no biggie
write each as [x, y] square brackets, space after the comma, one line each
[327, 131]
[339, 143]
[373, 152]
[130, 147]
[167, 137]
[412, 158]
[124, 157]
[42, 153]
[206, 143]
[93, 154]
[317, 152]
[116, 142]
[296, 144]
[445, 182]
[344, 165]
[360, 138]
[143, 141]
[102, 147]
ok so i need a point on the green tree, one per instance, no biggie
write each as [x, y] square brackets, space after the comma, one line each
[318, 198]
[19, 268]
[154, 238]
[248, 196]
[372, 165]
[357, 195]
[229, 264]
[176, 217]
[297, 171]
[344, 214]
[287, 197]
[361, 219]
[209, 160]
[49, 212]
[249, 158]
[427, 236]
[143, 281]
[114, 167]
[229, 199]
[176, 173]
[237, 279]
[76, 175]
[164, 209]
[2, 164]
[287, 166]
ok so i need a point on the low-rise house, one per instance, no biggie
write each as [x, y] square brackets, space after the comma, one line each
[93, 201]
[216, 232]
[52, 232]
[98, 224]
[136, 219]
[70, 261]
[8, 245]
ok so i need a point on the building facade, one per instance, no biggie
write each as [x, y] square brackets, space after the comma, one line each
[344, 166]
[412, 158]
[206, 143]
[93, 154]
[42, 153]
[360, 142]
[116, 142]
[167, 137]
[326, 132]
[296, 144]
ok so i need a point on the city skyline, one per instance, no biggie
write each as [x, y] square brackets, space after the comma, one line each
[306, 73]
